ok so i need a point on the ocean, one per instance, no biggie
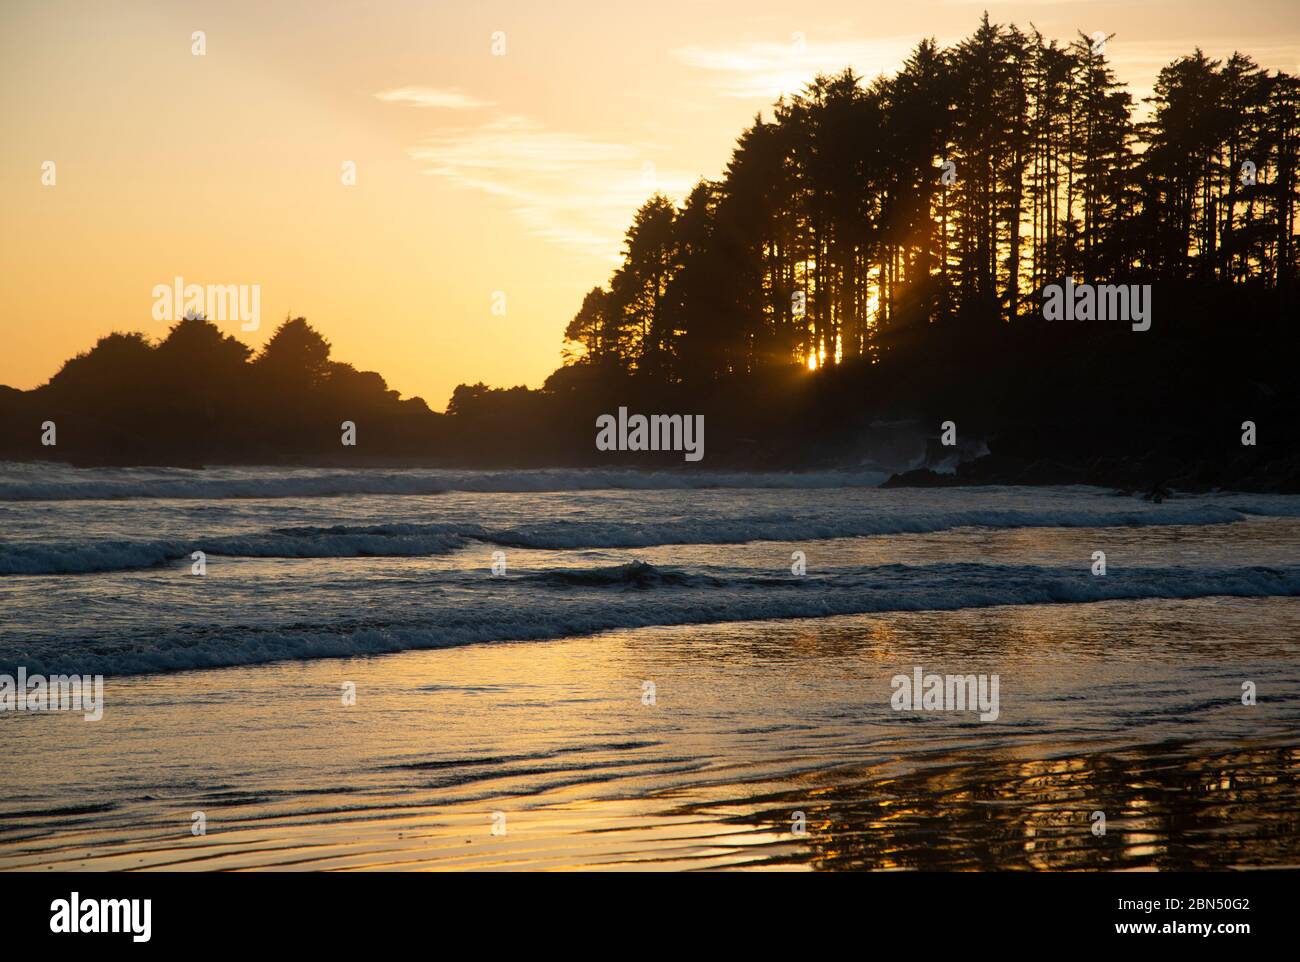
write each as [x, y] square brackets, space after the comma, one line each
[578, 669]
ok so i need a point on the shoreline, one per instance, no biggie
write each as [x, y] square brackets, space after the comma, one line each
[413, 775]
[1154, 478]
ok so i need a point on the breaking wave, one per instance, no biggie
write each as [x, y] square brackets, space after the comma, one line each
[416, 540]
[535, 606]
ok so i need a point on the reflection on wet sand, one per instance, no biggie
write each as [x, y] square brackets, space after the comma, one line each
[1166, 807]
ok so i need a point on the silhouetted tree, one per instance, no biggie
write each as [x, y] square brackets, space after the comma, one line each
[295, 354]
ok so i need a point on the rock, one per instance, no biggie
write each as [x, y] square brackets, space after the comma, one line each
[921, 478]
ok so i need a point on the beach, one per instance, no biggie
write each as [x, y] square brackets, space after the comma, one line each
[648, 680]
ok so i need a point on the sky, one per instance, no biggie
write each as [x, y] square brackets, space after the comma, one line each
[498, 149]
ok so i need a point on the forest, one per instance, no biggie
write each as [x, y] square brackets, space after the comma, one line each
[835, 235]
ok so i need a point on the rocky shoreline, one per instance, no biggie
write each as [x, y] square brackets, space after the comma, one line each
[1154, 476]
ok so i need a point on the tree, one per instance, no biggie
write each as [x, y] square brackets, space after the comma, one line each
[296, 355]
[593, 328]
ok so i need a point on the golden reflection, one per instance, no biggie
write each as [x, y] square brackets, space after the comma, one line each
[994, 813]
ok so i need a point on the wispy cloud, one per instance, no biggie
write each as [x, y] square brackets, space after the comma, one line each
[567, 188]
[431, 97]
[766, 70]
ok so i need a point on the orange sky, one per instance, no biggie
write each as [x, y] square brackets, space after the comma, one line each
[476, 173]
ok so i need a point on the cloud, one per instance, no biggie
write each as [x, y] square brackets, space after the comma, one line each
[766, 70]
[431, 97]
[569, 189]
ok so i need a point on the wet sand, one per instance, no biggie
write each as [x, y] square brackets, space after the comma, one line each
[1128, 708]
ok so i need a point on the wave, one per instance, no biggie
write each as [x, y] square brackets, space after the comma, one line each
[636, 574]
[890, 519]
[416, 540]
[588, 601]
[24, 482]
[410, 540]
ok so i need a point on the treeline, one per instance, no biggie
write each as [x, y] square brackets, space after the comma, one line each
[870, 218]
[198, 396]
[894, 237]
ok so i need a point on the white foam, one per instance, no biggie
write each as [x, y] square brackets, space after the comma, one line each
[532, 606]
[898, 516]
